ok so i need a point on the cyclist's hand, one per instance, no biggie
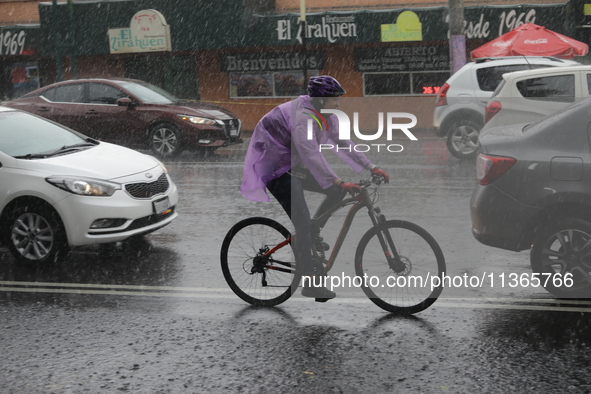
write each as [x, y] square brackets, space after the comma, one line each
[379, 172]
[350, 187]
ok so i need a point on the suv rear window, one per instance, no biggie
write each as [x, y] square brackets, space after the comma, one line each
[489, 77]
[554, 88]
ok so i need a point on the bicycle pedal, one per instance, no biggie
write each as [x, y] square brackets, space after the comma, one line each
[321, 299]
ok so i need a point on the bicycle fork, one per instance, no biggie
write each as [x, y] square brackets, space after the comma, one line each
[394, 261]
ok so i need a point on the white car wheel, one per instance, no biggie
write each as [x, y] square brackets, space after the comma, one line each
[36, 234]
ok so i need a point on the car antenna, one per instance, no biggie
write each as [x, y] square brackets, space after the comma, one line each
[527, 61]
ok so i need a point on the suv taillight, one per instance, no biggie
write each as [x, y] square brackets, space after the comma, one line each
[490, 168]
[442, 96]
[492, 109]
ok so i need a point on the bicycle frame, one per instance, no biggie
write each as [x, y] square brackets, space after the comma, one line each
[360, 201]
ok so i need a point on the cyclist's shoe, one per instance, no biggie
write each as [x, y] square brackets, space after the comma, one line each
[322, 294]
[320, 245]
[319, 267]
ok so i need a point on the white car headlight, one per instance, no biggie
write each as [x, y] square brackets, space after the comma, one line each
[197, 119]
[84, 186]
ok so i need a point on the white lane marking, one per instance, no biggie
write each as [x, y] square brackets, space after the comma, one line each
[513, 307]
[116, 292]
[103, 286]
[227, 290]
[521, 300]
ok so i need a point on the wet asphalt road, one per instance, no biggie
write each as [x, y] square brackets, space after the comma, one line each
[155, 315]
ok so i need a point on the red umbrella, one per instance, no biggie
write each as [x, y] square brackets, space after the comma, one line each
[531, 40]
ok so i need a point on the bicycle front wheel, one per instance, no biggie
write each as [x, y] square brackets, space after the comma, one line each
[256, 272]
[405, 285]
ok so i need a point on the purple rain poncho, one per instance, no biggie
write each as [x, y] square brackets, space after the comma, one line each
[279, 142]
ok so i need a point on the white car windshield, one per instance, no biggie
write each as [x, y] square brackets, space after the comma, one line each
[22, 134]
[148, 93]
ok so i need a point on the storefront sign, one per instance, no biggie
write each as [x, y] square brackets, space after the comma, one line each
[271, 61]
[586, 20]
[482, 22]
[12, 42]
[147, 32]
[408, 27]
[331, 29]
[402, 59]
[493, 26]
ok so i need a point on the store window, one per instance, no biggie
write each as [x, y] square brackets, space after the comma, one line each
[270, 84]
[270, 74]
[17, 79]
[406, 83]
[403, 70]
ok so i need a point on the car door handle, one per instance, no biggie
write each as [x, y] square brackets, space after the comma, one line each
[90, 112]
[43, 109]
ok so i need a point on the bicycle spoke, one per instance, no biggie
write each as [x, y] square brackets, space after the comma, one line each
[408, 287]
[254, 274]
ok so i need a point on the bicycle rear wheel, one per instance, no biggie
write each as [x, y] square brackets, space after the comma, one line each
[252, 272]
[406, 287]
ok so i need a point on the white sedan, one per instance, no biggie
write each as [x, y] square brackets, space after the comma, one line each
[60, 189]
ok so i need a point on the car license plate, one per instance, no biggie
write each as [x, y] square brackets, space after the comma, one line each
[162, 205]
[233, 132]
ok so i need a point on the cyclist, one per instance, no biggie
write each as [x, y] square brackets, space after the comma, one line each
[282, 160]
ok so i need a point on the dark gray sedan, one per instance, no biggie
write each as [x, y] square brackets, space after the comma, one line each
[534, 191]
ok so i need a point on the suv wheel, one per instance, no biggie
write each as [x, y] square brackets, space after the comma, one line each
[462, 139]
[165, 140]
[36, 234]
[564, 248]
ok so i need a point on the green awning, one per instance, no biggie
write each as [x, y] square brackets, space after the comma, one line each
[208, 24]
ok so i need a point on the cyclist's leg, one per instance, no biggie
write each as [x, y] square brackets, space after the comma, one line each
[333, 195]
[289, 192]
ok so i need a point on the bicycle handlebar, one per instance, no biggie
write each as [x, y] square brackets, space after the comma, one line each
[374, 180]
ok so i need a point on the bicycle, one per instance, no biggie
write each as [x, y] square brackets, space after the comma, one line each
[257, 261]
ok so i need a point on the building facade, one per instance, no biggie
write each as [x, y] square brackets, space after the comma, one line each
[249, 55]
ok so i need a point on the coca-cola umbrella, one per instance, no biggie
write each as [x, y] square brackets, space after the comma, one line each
[531, 40]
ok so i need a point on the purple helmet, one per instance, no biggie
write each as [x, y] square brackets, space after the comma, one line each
[324, 86]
